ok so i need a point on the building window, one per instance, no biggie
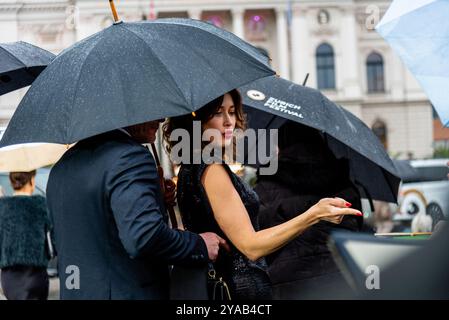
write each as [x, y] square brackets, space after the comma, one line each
[375, 73]
[256, 27]
[380, 130]
[325, 67]
[216, 20]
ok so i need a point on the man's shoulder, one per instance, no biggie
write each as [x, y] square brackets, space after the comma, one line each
[110, 144]
[101, 151]
[115, 139]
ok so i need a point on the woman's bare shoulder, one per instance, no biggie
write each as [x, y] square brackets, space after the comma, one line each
[217, 175]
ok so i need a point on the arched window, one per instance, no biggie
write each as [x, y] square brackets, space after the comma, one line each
[375, 73]
[380, 130]
[325, 67]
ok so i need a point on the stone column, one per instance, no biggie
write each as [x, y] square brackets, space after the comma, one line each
[282, 42]
[9, 21]
[300, 49]
[238, 22]
[348, 74]
[9, 32]
[195, 14]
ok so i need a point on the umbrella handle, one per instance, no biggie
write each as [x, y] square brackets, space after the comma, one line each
[160, 171]
[170, 209]
[114, 12]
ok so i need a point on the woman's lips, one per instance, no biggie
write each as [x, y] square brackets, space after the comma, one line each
[228, 134]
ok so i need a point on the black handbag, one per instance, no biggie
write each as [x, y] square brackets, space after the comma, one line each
[217, 288]
[197, 283]
[188, 283]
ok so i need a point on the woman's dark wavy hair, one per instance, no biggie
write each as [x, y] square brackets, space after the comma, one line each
[20, 179]
[204, 114]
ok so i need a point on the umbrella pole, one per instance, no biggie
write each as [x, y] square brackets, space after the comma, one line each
[160, 171]
[114, 12]
[305, 80]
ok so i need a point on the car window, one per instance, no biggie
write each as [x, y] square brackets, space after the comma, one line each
[435, 173]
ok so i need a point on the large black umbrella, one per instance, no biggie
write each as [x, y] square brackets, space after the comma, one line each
[131, 73]
[20, 64]
[270, 102]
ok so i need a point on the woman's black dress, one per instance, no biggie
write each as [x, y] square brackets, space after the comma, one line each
[246, 279]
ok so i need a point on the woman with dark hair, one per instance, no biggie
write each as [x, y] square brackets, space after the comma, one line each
[24, 223]
[212, 198]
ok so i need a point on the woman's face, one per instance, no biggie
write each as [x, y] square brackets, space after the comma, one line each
[223, 120]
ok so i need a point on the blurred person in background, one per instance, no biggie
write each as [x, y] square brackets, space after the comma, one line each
[24, 255]
[422, 223]
[307, 172]
[383, 218]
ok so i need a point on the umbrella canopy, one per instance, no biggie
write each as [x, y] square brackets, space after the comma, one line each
[405, 170]
[418, 30]
[272, 101]
[30, 156]
[20, 64]
[131, 73]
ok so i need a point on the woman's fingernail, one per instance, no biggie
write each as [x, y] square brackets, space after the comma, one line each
[360, 214]
[347, 204]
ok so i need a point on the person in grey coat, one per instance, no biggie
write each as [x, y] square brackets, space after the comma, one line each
[111, 231]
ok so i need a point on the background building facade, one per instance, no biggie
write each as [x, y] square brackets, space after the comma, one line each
[332, 41]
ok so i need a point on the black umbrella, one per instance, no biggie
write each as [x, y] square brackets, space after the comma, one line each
[131, 73]
[270, 102]
[406, 171]
[20, 64]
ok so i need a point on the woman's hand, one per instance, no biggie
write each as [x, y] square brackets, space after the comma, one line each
[170, 193]
[332, 210]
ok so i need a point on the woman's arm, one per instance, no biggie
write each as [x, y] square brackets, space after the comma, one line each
[232, 217]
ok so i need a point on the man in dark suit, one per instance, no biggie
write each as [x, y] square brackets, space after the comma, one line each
[111, 231]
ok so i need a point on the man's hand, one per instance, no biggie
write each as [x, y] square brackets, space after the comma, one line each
[213, 244]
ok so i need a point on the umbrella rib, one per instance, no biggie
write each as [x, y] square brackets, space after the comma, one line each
[394, 192]
[160, 61]
[77, 86]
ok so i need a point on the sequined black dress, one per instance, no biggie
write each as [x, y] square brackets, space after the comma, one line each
[246, 279]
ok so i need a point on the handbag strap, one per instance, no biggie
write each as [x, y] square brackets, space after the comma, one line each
[212, 275]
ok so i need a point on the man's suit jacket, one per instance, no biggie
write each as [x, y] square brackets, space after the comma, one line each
[110, 224]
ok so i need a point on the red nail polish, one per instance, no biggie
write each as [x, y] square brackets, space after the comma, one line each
[360, 214]
[347, 204]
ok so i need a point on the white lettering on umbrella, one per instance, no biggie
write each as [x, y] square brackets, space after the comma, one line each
[284, 106]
